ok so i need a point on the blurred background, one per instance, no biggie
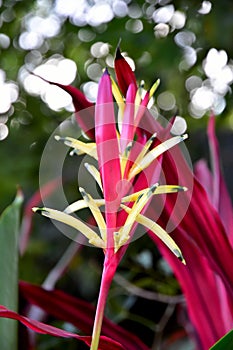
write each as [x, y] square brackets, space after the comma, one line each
[187, 44]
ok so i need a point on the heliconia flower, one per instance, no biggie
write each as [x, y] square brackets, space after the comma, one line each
[113, 151]
[124, 153]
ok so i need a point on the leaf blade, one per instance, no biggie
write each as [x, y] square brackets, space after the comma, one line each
[224, 343]
[9, 227]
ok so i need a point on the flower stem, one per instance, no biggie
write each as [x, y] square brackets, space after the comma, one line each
[109, 269]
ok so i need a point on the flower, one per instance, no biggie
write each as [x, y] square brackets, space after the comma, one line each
[126, 173]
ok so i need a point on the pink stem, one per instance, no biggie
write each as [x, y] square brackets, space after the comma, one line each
[110, 265]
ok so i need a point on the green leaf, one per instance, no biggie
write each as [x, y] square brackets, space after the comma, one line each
[9, 228]
[224, 343]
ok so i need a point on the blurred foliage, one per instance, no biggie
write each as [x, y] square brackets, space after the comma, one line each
[31, 122]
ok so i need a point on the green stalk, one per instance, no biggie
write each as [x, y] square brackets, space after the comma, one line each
[109, 269]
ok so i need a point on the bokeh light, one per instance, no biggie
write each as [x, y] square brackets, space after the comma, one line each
[179, 126]
[166, 101]
[209, 94]
[4, 131]
[8, 92]
[163, 14]
[56, 69]
[134, 25]
[37, 29]
[84, 12]
[205, 8]
[4, 41]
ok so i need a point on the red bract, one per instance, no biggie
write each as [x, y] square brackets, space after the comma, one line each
[124, 73]
[108, 154]
[128, 129]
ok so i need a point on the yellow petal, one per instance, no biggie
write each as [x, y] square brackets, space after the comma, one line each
[162, 189]
[124, 232]
[81, 204]
[154, 153]
[154, 87]
[159, 232]
[78, 205]
[79, 146]
[72, 222]
[134, 196]
[96, 212]
[120, 102]
[159, 189]
[116, 93]
[95, 173]
[145, 148]
[125, 157]
[138, 97]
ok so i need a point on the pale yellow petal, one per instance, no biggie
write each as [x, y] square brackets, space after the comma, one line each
[95, 173]
[145, 148]
[116, 93]
[159, 189]
[154, 87]
[81, 204]
[78, 205]
[120, 102]
[125, 157]
[124, 232]
[138, 97]
[96, 212]
[134, 196]
[79, 146]
[163, 189]
[154, 153]
[159, 232]
[72, 222]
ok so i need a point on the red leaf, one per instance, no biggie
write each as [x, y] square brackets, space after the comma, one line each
[198, 283]
[195, 213]
[198, 230]
[204, 176]
[42, 328]
[215, 161]
[78, 312]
